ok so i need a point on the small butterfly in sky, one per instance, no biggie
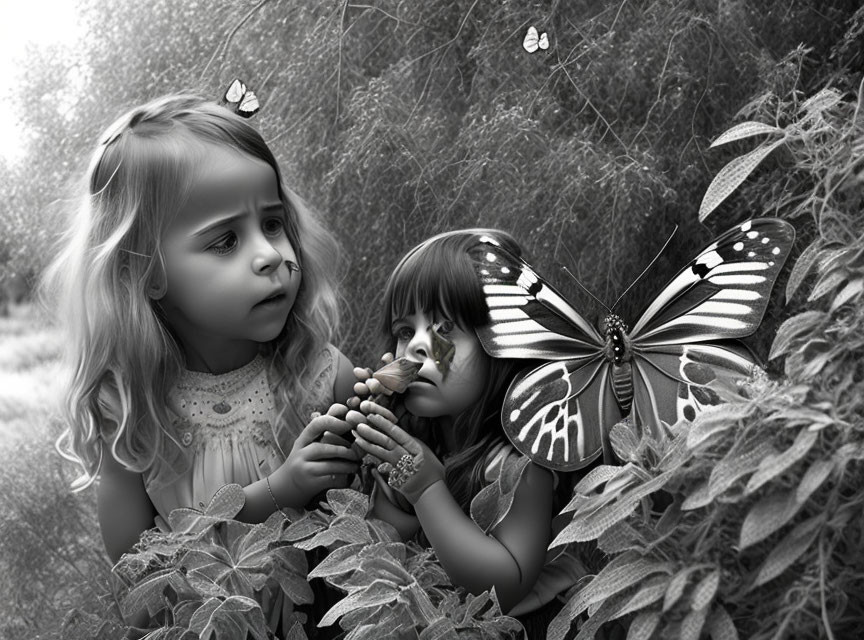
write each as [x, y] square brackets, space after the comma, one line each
[242, 101]
[664, 369]
[534, 41]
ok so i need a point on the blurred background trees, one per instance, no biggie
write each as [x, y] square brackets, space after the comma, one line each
[397, 120]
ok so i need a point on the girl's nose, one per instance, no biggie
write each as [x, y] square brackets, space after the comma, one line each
[418, 347]
[266, 259]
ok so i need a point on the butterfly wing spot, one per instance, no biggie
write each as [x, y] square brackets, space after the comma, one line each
[550, 424]
[746, 226]
[698, 373]
[738, 246]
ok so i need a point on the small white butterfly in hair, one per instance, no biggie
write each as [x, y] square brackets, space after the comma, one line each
[534, 40]
[240, 100]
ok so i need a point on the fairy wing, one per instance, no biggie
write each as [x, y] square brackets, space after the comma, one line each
[682, 344]
[554, 413]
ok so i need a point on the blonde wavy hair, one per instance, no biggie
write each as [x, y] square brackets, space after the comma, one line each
[123, 357]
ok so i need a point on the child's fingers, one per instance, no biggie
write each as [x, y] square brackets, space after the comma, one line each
[368, 407]
[332, 467]
[374, 436]
[354, 418]
[362, 373]
[337, 410]
[387, 358]
[320, 451]
[316, 428]
[332, 438]
[362, 389]
[385, 455]
[401, 437]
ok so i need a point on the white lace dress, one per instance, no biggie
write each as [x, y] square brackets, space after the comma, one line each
[226, 421]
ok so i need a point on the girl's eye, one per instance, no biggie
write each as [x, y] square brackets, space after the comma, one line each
[224, 245]
[445, 326]
[404, 334]
[273, 226]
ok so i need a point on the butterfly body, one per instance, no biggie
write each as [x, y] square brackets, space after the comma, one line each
[666, 368]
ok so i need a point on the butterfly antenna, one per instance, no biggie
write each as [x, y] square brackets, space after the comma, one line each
[650, 264]
[585, 289]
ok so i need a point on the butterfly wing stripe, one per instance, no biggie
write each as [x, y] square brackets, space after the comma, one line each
[736, 294]
[740, 260]
[546, 417]
[503, 315]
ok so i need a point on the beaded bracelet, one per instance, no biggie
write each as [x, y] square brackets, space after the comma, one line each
[272, 497]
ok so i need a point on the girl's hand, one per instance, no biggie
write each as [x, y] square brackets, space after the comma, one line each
[411, 465]
[366, 384]
[314, 466]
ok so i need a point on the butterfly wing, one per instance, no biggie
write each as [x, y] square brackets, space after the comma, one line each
[528, 317]
[543, 43]
[724, 291]
[556, 414]
[235, 91]
[682, 348]
[249, 105]
[531, 41]
[552, 414]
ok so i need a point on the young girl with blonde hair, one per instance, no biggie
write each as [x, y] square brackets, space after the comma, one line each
[199, 308]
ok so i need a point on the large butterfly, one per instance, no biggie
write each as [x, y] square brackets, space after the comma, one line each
[241, 101]
[666, 368]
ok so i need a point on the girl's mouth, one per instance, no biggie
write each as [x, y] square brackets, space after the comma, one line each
[273, 300]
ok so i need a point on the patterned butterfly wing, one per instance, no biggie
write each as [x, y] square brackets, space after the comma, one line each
[235, 91]
[554, 413]
[249, 105]
[532, 40]
[682, 352]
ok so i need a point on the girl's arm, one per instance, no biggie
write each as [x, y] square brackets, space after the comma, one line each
[124, 508]
[383, 507]
[511, 557]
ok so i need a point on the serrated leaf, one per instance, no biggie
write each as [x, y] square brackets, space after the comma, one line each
[851, 290]
[341, 560]
[643, 625]
[767, 516]
[826, 284]
[584, 527]
[598, 619]
[776, 463]
[816, 104]
[235, 617]
[801, 268]
[692, 624]
[348, 529]
[348, 502]
[813, 479]
[624, 441]
[789, 549]
[704, 592]
[377, 594]
[714, 420]
[596, 477]
[793, 328]
[148, 595]
[744, 130]
[492, 503]
[648, 593]
[732, 175]
[741, 460]
[676, 587]
[621, 572]
[720, 625]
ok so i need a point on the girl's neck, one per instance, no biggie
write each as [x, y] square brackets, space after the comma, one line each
[220, 361]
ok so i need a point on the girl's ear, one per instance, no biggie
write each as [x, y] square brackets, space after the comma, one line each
[157, 288]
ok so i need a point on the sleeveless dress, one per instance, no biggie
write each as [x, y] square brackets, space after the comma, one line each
[226, 423]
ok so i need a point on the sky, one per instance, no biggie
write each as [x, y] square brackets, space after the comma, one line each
[40, 23]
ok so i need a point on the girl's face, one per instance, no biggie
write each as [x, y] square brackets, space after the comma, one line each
[433, 394]
[231, 272]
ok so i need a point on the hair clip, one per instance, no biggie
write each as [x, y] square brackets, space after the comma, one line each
[239, 100]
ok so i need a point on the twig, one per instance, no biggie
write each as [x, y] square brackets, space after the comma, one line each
[224, 46]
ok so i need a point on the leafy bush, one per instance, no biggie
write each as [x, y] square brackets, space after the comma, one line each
[746, 523]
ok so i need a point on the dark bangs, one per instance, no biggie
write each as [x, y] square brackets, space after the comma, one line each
[436, 278]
